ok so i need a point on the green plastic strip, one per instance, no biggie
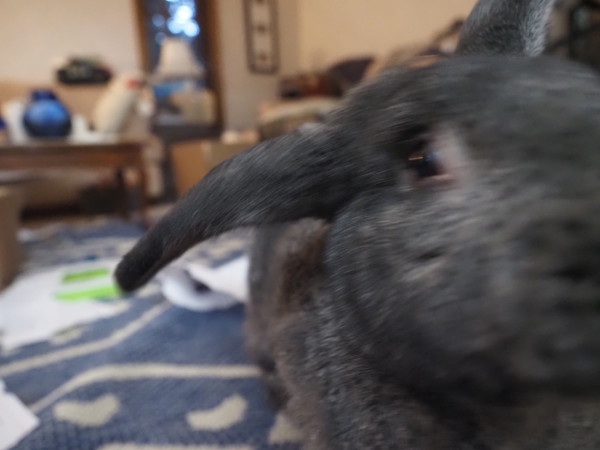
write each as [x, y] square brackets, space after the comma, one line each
[85, 275]
[97, 293]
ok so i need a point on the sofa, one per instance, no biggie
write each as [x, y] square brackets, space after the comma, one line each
[306, 97]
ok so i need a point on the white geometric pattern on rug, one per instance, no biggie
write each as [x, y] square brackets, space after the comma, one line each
[129, 372]
[88, 414]
[155, 377]
[283, 431]
[84, 349]
[230, 412]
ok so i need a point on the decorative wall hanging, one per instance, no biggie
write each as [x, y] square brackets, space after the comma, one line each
[262, 38]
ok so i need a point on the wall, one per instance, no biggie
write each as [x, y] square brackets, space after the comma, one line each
[34, 33]
[333, 29]
[313, 34]
[243, 91]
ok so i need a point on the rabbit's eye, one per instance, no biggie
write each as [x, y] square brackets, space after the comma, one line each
[434, 157]
[425, 163]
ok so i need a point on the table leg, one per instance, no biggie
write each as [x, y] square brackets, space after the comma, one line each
[122, 200]
[143, 184]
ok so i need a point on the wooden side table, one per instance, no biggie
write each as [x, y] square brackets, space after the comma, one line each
[193, 159]
[118, 155]
[171, 132]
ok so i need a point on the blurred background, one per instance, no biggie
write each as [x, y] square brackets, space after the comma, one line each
[112, 109]
[196, 80]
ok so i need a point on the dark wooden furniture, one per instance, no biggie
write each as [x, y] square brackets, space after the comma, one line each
[10, 250]
[170, 133]
[119, 155]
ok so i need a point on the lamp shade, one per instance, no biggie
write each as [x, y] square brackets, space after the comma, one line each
[177, 59]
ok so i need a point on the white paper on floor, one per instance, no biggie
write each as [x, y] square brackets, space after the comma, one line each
[39, 305]
[16, 421]
[200, 288]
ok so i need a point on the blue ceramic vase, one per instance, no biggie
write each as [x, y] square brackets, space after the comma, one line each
[46, 116]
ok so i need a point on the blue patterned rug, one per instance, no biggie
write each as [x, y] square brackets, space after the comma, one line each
[154, 377]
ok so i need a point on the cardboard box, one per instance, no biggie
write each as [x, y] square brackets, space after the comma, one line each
[10, 250]
[192, 160]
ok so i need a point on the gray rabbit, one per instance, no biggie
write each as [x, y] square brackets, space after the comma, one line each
[427, 275]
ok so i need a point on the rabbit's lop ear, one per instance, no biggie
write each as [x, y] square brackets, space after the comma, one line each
[506, 27]
[303, 174]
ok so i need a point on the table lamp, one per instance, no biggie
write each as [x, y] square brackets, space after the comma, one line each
[177, 60]
[177, 63]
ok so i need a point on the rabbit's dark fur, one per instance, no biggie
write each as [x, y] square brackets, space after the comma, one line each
[510, 27]
[280, 250]
[461, 316]
[452, 318]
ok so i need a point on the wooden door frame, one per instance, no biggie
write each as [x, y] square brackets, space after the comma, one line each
[208, 21]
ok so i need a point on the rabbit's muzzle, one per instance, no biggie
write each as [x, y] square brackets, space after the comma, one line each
[555, 287]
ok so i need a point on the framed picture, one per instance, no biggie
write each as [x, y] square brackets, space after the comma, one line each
[262, 36]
